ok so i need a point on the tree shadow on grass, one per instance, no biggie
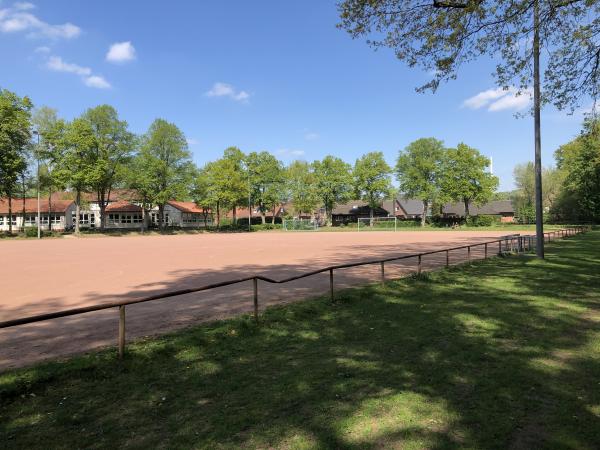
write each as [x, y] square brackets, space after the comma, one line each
[503, 354]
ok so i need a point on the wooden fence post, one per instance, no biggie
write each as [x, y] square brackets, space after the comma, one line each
[499, 247]
[331, 284]
[419, 266]
[121, 331]
[485, 251]
[255, 286]
[382, 272]
[469, 254]
[447, 258]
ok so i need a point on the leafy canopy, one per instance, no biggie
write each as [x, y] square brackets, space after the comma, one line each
[419, 169]
[442, 35]
[465, 177]
[372, 181]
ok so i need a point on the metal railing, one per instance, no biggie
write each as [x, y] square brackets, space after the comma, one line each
[505, 245]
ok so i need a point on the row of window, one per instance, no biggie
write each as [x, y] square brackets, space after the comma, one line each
[115, 219]
[195, 218]
[31, 219]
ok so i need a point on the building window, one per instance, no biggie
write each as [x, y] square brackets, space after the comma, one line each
[137, 218]
[113, 219]
[30, 219]
[126, 218]
[1, 220]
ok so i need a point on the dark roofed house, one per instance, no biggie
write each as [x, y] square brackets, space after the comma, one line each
[352, 211]
[502, 208]
[404, 208]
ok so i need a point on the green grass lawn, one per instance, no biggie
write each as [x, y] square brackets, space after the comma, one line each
[501, 354]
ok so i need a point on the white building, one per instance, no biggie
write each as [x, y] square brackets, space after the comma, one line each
[122, 213]
[56, 215]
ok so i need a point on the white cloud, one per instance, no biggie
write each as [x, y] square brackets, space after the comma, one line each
[18, 19]
[311, 136]
[96, 81]
[220, 89]
[192, 141]
[121, 52]
[289, 152]
[42, 49]
[483, 98]
[513, 101]
[23, 6]
[499, 100]
[57, 64]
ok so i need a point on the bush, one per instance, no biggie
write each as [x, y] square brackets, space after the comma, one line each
[31, 231]
[483, 220]
[267, 226]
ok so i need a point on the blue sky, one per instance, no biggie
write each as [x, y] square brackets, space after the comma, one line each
[267, 75]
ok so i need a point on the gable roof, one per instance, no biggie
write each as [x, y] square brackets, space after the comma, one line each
[495, 207]
[31, 204]
[411, 206]
[187, 207]
[123, 206]
[357, 207]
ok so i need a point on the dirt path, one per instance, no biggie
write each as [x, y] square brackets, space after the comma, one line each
[49, 275]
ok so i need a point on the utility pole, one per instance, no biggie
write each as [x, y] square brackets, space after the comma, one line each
[39, 215]
[539, 208]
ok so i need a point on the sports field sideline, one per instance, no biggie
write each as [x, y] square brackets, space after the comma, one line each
[50, 275]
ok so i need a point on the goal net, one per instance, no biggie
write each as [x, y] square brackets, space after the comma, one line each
[300, 225]
[377, 224]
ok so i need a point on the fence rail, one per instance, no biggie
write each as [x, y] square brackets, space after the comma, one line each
[506, 244]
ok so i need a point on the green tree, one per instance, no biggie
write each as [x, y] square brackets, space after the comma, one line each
[76, 150]
[372, 181]
[203, 194]
[113, 147]
[266, 175]
[301, 185]
[579, 162]
[441, 35]
[165, 166]
[15, 136]
[49, 130]
[524, 195]
[464, 177]
[237, 182]
[333, 183]
[419, 171]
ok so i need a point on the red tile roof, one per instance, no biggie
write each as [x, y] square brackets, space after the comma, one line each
[187, 207]
[58, 206]
[123, 206]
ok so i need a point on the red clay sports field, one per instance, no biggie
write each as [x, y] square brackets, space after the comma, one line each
[54, 274]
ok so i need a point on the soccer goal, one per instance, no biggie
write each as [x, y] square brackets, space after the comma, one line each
[377, 224]
[300, 225]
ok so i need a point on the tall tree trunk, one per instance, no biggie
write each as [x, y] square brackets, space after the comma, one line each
[77, 212]
[23, 199]
[234, 211]
[539, 211]
[262, 214]
[161, 218]
[467, 211]
[143, 225]
[50, 208]
[424, 215]
[371, 216]
[218, 215]
[102, 217]
[9, 212]
[273, 215]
